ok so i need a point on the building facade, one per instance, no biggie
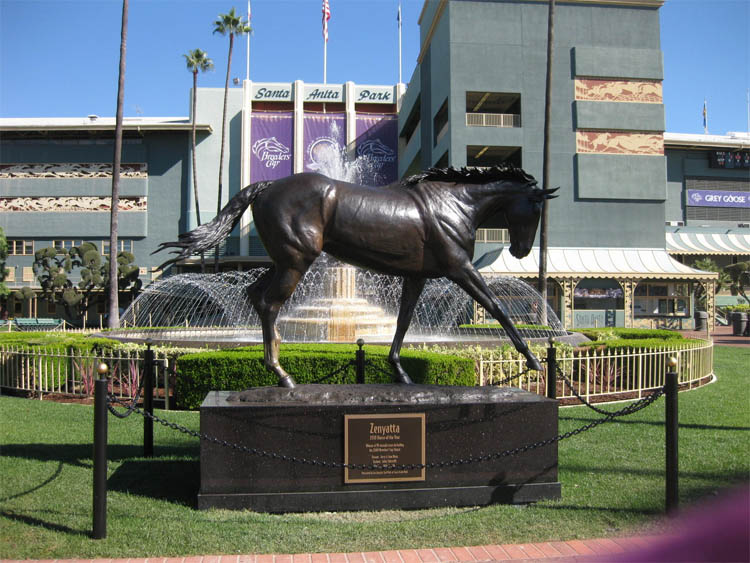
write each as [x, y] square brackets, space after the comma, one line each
[56, 185]
[623, 233]
[477, 98]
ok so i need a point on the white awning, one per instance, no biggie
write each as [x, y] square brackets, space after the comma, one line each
[641, 263]
[708, 243]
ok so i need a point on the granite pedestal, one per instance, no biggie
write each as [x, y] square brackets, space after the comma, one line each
[311, 422]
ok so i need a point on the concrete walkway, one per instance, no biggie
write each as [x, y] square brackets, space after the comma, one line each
[722, 336]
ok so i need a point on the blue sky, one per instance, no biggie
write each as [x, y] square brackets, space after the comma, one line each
[58, 58]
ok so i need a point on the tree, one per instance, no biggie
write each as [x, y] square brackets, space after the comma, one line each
[197, 60]
[231, 24]
[53, 268]
[708, 265]
[739, 274]
[113, 320]
[3, 257]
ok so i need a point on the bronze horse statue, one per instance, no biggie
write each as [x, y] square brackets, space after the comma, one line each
[421, 227]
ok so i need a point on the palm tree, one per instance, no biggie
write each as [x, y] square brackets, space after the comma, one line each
[197, 60]
[113, 320]
[231, 24]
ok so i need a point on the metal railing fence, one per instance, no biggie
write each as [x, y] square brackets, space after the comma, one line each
[602, 373]
[73, 372]
[592, 372]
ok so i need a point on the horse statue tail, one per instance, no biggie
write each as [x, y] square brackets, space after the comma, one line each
[208, 235]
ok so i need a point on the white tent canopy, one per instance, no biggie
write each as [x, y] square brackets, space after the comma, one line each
[591, 263]
[708, 243]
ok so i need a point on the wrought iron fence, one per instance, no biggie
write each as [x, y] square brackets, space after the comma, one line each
[594, 374]
[73, 372]
[603, 373]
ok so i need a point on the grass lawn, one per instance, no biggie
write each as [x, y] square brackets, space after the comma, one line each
[612, 484]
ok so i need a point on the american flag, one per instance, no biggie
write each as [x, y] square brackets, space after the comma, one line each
[326, 17]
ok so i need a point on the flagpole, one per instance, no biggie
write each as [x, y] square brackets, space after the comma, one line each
[705, 117]
[326, 17]
[399, 42]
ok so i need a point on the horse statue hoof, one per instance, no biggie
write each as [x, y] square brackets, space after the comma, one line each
[403, 378]
[287, 382]
[534, 364]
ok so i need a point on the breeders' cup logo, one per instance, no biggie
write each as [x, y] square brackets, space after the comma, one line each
[376, 151]
[271, 152]
[322, 153]
[696, 197]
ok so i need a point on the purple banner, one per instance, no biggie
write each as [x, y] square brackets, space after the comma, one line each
[324, 142]
[272, 138]
[718, 198]
[377, 140]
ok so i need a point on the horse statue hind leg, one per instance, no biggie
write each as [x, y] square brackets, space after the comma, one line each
[412, 289]
[267, 296]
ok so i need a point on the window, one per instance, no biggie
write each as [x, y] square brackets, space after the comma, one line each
[28, 274]
[662, 299]
[125, 245]
[598, 295]
[412, 123]
[493, 109]
[61, 245]
[484, 155]
[17, 247]
[440, 123]
[10, 274]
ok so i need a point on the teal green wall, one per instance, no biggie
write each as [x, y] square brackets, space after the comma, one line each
[500, 46]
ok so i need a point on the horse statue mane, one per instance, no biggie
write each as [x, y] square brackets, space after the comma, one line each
[468, 175]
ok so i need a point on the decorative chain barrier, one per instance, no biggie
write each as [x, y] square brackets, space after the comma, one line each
[130, 407]
[609, 416]
[510, 378]
[105, 401]
[630, 409]
[337, 371]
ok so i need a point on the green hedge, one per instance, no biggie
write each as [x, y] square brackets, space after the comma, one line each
[605, 334]
[56, 341]
[650, 343]
[738, 308]
[499, 327]
[622, 338]
[241, 368]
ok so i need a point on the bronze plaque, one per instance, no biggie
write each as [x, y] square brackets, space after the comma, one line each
[384, 440]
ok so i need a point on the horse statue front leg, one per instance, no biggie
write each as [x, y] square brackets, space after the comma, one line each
[471, 281]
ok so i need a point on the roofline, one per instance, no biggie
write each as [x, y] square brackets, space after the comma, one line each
[696, 141]
[443, 3]
[100, 124]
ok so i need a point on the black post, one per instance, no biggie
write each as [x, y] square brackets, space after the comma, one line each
[148, 402]
[672, 424]
[100, 454]
[360, 361]
[551, 369]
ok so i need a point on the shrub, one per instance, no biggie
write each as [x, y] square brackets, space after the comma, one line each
[610, 334]
[241, 368]
[650, 343]
[738, 308]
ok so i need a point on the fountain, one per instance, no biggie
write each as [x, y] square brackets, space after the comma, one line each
[334, 302]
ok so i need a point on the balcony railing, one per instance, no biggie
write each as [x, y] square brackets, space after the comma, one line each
[493, 120]
[492, 235]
